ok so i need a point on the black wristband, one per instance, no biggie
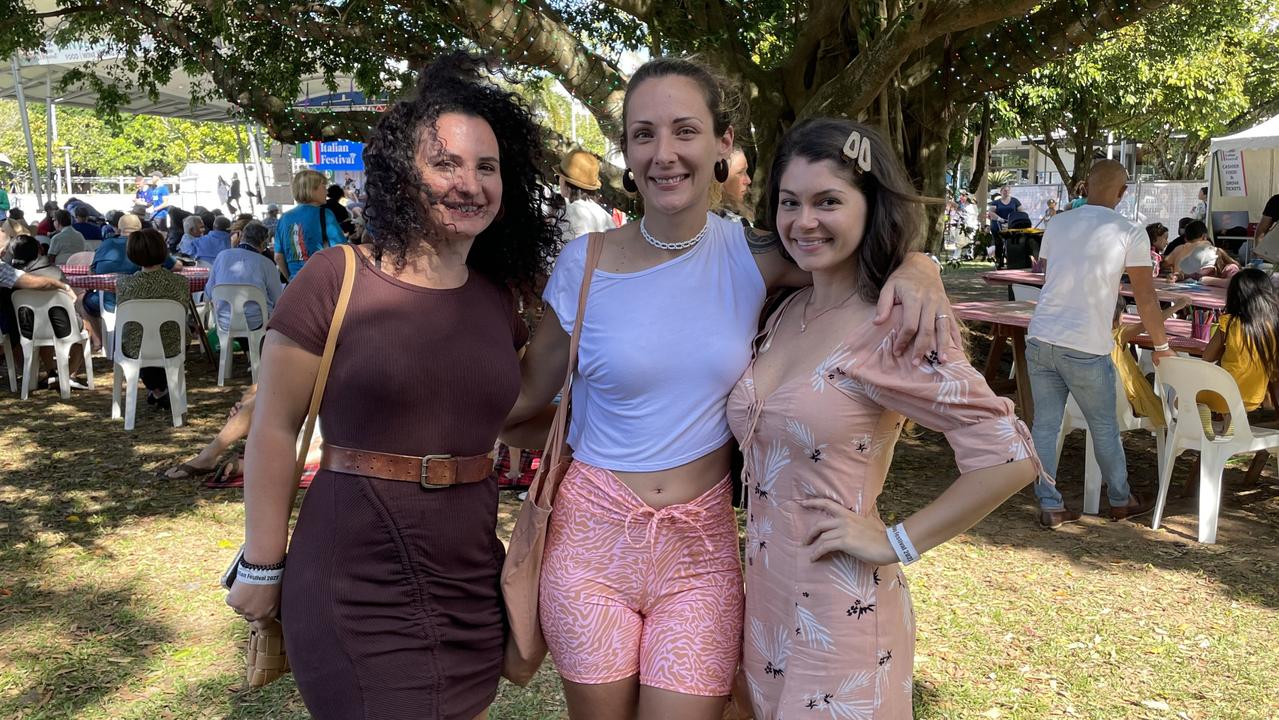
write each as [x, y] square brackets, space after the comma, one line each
[250, 566]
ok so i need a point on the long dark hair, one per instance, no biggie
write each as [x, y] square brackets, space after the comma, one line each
[1254, 304]
[894, 217]
[518, 245]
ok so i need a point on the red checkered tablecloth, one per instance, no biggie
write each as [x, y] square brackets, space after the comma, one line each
[197, 278]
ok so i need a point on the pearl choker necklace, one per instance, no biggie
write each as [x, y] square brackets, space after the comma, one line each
[679, 245]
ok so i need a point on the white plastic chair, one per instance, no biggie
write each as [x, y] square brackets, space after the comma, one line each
[8, 363]
[236, 296]
[150, 315]
[108, 325]
[1188, 377]
[84, 257]
[40, 303]
[1025, 292]
[1127, 422]
[1020, 293]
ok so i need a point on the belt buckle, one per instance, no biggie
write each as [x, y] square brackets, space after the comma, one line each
[426, 459]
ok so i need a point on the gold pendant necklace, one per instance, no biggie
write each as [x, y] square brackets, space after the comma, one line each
[803, 314]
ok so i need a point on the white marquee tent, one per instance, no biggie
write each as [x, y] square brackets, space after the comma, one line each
[1243, 170]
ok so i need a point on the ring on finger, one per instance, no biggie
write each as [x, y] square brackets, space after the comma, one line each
[942, 316]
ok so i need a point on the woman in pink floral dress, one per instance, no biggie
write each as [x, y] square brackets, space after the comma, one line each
[829, 627]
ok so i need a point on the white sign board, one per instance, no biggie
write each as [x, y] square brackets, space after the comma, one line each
[1234, 182]
[73, 53]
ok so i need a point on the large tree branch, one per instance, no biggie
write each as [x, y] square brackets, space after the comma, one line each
[1053, 152]
[533, 34]
[529, 34]
[276, 114]
[866, 76]
[639, 9]
[821, 25]
[1055, 29]
[68, 10]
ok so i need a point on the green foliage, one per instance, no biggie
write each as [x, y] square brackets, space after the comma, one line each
[1189, 68]
[140, 143]
[552, 110]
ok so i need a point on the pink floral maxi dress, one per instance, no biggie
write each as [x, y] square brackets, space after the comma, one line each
[835, 638]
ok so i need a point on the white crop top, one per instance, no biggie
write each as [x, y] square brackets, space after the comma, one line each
[660, 350]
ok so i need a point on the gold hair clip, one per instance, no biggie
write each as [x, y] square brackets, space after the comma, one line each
[857, 149]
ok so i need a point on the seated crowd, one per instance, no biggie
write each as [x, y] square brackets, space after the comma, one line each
[243, 250]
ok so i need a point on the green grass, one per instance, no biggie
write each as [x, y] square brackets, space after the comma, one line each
[110, 605]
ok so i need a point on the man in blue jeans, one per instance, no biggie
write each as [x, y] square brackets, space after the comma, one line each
[1069, 341]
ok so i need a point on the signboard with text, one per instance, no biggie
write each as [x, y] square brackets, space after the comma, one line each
[335, 155]
[1234, 181]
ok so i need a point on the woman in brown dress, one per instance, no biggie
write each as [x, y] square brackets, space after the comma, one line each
[390, 601]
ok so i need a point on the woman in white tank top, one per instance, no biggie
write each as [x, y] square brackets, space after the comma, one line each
[641, 591]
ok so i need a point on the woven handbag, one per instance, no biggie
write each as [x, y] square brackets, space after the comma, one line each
[266, 660]
[522, 571]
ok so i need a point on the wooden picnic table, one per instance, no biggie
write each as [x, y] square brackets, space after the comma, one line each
[1010, 319]
[1205, 297]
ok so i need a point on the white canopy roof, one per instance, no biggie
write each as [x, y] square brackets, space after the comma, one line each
[1261, 137]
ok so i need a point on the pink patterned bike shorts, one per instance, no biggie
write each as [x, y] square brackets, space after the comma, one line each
[627, 588]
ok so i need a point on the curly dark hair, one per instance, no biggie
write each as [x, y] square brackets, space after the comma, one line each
[521, 241]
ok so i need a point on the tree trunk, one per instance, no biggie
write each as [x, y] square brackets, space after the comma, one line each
[982, 153]
[926, 151]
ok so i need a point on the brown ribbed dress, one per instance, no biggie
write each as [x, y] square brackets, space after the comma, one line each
[390, 604]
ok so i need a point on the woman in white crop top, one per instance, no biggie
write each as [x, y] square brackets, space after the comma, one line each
[641, 590]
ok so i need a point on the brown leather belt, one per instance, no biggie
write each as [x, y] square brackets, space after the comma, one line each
[432, 472]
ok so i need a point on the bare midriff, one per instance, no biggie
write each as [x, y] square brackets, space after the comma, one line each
[683, 484]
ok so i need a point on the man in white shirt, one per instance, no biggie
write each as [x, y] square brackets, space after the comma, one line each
[579, 183]
[1070, 338]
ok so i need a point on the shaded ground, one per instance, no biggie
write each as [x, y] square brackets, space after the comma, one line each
[109, 604]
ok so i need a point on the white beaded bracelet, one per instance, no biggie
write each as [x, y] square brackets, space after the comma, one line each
[902, 545]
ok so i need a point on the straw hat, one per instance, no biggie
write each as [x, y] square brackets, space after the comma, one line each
[128, 223]
[581, 169]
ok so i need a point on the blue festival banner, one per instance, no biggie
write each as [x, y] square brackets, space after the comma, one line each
[335, 155]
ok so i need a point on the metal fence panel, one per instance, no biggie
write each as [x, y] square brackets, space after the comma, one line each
[1145, 202]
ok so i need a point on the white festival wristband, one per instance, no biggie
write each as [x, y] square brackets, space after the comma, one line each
[1161, 347]
[251, 576]
[902, 545]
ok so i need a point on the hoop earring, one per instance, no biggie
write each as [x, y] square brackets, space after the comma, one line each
[721, 170]
[628, 181]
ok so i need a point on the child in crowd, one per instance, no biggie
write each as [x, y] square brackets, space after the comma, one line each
[1158, 235]
[1140, 394]
[1246, 344]
[1049, 212]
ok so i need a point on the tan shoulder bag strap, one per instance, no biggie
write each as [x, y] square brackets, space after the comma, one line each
[555, 441]
[326, 361]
